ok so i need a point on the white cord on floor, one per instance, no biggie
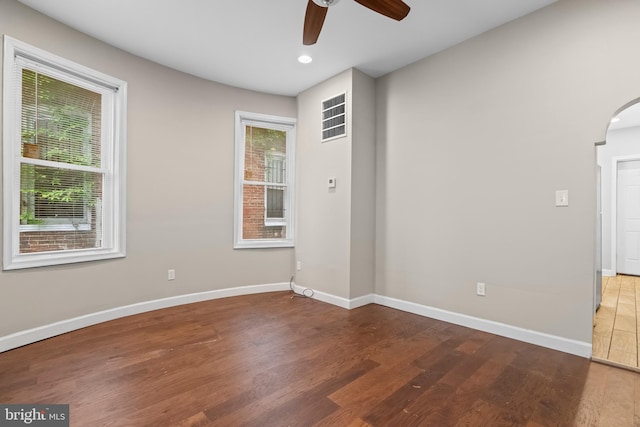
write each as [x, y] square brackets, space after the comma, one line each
[306, 293]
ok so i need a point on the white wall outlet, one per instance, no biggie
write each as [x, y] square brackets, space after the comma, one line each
[332, 182]
[299, 265]
[171, 274]
[480, 289]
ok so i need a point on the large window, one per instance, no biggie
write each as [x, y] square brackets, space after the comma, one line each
[264, 181]
[63, 147]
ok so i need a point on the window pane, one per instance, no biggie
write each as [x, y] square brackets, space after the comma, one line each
[260, 143]
[275, 167]
[60, 209]
[59, 240]
[253, 221]
[60, 121]
[275, 202]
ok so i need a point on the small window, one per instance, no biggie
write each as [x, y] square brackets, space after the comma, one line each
[334, 117]
[63, 148]
[264, 181]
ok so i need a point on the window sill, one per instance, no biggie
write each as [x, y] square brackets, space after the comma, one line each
[264, 243]
[43, 259]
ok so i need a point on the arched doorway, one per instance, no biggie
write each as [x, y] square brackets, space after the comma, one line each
[615, 333]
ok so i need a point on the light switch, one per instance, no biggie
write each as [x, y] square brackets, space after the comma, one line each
[332, 183]
[562, 198]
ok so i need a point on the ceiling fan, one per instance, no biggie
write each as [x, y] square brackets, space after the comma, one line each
[317, 11]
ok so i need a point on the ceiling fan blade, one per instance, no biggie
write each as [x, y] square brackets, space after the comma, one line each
[394, 9]
[313, 20]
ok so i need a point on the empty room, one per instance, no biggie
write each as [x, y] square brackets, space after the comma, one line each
[319, 213]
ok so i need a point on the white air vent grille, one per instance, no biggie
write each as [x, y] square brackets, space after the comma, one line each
[334, 117]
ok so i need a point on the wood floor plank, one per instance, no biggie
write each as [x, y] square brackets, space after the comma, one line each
[560, 402]
[467, 394]
[397, 402]
[292, 405]
[604, 325]
[636, 405]
[623, 358]
[625, 323]
[484, 413]
[624, 341]
[612, 293]
[368, 390]
[196, 420]
[601, 345]
[627, 283]
[475, 342]
[618, 410]
[342, 417]
[627, 305]
[427, 404]
[592, 397]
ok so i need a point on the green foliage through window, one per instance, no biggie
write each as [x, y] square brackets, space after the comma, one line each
[60, 123]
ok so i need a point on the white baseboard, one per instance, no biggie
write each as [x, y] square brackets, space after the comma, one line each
[349, 304]
[608, 273]
[362, 301]
[29, 336]
[579, 348]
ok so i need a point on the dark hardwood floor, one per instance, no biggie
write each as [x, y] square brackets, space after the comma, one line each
[273, 360]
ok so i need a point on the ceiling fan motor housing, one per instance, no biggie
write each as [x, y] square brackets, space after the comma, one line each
[325, 3]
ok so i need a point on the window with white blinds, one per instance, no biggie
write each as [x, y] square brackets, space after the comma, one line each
[264, 181]
[63, 145]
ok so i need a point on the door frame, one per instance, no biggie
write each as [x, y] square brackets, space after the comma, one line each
[614, 208]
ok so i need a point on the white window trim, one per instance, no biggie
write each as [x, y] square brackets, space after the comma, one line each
[288, 125]
[114, 163]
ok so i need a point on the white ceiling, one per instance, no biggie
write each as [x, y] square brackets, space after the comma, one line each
[255, 44]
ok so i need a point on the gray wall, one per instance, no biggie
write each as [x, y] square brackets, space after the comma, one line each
[363, 178]
[472, 144]
[336, 227]
[179, 193]
[323, 214]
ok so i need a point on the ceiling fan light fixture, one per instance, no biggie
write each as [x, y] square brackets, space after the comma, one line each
[305, 59]
[325, 3]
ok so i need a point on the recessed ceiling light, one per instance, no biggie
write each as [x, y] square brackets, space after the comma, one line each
[304, 59]
[615, 119]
